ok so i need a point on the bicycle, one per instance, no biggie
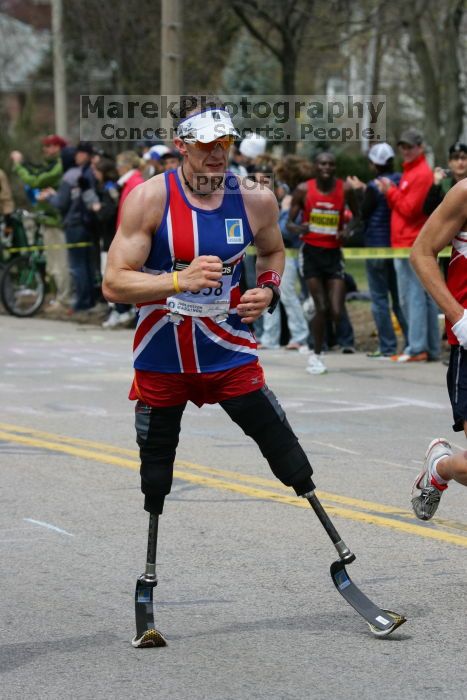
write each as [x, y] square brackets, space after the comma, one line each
[23, 284]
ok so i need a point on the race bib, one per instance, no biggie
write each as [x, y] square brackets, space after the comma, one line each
[322, 221]
[207, 302]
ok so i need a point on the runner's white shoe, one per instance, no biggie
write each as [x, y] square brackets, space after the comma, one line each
[315, 364]
[425, 495]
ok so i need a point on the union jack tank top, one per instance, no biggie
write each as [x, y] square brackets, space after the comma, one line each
[202, 332]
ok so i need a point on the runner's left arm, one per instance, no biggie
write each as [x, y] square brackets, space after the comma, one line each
[263, 214]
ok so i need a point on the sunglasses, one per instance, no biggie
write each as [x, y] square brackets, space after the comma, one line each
[223, 141]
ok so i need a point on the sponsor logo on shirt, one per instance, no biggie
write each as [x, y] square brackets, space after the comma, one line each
[234, 230]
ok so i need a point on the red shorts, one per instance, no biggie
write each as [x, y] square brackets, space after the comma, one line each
[163, 389]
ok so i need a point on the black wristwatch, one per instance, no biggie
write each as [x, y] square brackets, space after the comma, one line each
[276, 295]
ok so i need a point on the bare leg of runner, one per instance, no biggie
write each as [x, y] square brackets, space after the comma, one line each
[318, 325]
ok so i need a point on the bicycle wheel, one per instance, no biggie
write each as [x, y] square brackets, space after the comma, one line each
[22, 287]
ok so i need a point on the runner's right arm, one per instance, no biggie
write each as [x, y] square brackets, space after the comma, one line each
[123, 280]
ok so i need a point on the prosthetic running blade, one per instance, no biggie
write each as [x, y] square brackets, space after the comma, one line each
[381, 622]
[146, 633]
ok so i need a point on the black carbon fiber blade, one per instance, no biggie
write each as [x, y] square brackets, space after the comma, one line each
[383, 622]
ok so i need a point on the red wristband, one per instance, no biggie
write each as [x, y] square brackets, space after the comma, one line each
[269, 277]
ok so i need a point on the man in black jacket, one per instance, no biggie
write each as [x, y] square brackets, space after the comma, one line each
[443, 181]
[70, 201]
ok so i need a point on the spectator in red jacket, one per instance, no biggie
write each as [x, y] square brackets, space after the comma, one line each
[128, 164]
[407, 218]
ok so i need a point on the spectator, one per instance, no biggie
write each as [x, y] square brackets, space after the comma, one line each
[443, 180]
[170, 160]
[250, 148]
[407, 218]
[36, 178]
[271, 333]
[291, 170]
[382, 281]
[106, 206]
[73, 199]
[7, 204]
[152, 160]
[128, 164]
[237, 161]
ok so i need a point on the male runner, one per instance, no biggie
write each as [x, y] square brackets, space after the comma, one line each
[447, 224]
[177, 254]
[322, 201]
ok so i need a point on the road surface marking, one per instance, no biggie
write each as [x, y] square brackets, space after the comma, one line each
[214, 478]
[48, 526]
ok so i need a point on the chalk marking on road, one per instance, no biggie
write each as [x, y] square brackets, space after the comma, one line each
[428, 531]
[459, 447]
[419, 403]
[390, 464]
[357, 408]
[335, 447]
[48, 526]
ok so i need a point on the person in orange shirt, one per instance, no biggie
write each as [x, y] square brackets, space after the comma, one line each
[406, 202]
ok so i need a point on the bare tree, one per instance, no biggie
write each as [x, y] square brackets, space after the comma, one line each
[279, 25]
[434, 31]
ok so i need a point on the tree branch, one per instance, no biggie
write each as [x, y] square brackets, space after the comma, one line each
[253, 5]
[254, 32]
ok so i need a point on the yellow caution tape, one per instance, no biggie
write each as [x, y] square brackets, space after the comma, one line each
[364, 253]
[381, 253]
[54, 246]
[349, 253]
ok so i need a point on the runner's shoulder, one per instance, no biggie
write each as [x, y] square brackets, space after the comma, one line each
[148, 201]
[260, 202]
[248, 186]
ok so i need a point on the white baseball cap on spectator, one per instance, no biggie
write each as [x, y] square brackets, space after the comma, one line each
[156, 152]
[380, 153]
[253, 145]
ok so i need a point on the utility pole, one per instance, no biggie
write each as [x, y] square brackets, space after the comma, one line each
[59, 69]
[171, 52]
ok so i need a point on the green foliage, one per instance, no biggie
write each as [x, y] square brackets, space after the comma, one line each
[353, 164]
[25, 138]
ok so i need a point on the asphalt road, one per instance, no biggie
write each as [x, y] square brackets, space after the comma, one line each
[245, 599]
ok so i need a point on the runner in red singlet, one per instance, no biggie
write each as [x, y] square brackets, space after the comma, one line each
[447, 225]
[322, 202]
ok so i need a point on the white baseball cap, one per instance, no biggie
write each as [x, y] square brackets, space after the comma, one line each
[253, 145]
[380, 153]
[207, 126]
[156, 152]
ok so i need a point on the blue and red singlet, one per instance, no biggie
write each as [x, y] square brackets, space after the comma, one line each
[196, 332]
[323, 212]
